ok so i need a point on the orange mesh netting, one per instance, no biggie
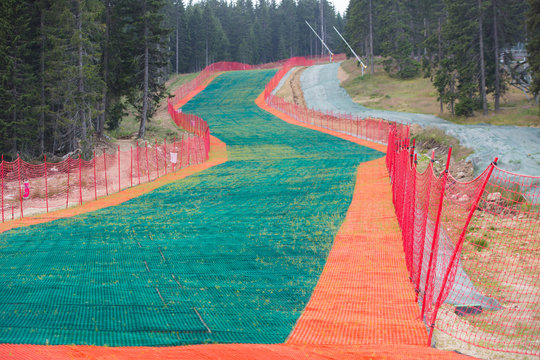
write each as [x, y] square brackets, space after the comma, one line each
[362, 308]
[472, 249]
[217, 155]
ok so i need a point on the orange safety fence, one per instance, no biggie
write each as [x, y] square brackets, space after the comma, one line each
[332, 326]
[472, 250]
[370, 129]
[28, 189]
[356, 301]
[208, 72]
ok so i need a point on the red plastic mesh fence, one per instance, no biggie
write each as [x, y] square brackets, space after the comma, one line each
[472, 250]
[365, 128]
[214, 68]
[28, 189]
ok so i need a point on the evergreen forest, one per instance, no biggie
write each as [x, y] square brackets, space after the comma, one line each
[70, 69]
[464, 46]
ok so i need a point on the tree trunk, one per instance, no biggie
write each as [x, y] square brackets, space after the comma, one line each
[42, 70]
[177, 41]
[142, 128]
[14, 112]
[439, 57]
[497, 94]
[425, 34]
[452, 90]
[105, 100]
[482, 64]
[81, 104]
[321, 10]
[371, 39]
[206, 49]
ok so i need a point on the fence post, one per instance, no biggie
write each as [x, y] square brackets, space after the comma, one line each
[181, 149]
[2, 165]
[19, 176]
[423, 228]
[46, 184]
[138, 160]
[67, 192]
[80, 180]
[157, 161]
[174, 150]
[188, 150]
[95, 180]
[165, 153]
[436, 232]
[105, 166]
[457, 249]
[131, 165]
[147, 166]
[118, 155]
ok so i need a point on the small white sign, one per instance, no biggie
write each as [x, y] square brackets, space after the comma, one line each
[174, 157]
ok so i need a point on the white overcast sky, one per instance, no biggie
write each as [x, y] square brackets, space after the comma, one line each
[340, 5]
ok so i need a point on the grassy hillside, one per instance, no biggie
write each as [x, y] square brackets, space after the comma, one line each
[380, 91]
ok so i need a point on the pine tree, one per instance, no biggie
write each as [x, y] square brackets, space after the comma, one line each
[152, 55]
[395, 36]
[18, 89]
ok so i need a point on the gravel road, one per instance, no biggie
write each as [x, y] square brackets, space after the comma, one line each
[518, 148]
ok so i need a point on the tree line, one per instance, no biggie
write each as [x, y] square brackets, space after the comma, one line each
[460, 44]
[69, 69]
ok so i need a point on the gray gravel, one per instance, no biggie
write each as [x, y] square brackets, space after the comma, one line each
[518, 148]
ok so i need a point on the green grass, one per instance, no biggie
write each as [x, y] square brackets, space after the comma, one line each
[382, 92]
[431, 137]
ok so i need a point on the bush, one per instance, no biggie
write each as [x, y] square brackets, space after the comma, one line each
[405, 68]
[465, 107]
[409, 69]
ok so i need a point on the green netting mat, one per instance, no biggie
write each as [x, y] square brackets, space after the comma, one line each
[231, 254]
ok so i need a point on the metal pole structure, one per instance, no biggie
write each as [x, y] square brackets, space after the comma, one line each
[327, 48]
[354, 53]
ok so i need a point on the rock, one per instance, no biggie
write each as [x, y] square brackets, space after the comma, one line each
[494, 197]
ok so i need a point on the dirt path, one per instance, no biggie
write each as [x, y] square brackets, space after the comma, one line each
[291, 90]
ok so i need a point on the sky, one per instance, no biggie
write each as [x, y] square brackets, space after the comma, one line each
[340, 5]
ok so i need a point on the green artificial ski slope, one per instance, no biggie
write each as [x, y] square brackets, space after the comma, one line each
[231, 254]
